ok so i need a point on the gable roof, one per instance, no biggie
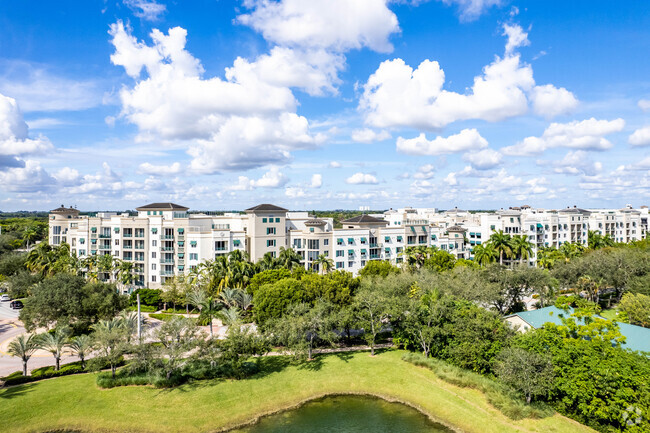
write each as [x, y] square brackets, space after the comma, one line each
[364, 219]
[315, 222]
[162, 206]
[636, 337]
[63, 209]
[266, 207]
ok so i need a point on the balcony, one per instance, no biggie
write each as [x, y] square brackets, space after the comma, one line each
[171, 261]
[167, 273]
[374, 245]
[375, 256]
[169, 237]
[167, 248]
[105, 247]
[127, 235]
[105, 236]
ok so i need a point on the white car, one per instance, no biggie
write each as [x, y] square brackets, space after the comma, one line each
[5, 298]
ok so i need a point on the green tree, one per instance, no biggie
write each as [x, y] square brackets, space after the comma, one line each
[30, 235]
[242, 343]
[484, 254]
[528, 372]
[176, 338]
[55, 342]
[521, 247]
[269, 276]
[371, 309]
[637, 308]
[81, 345]
[110, 340]
[23, 347]
[288, 258]
[381, 268]
[208, 307]
[272, 300]
[324, 263]
[502, 243]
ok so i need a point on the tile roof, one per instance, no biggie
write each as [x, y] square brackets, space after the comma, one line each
[364, 219]
[266, 207]
[162, 206]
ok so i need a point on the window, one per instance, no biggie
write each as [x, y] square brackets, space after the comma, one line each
[399, 239]
[340, 265]
[82, 241]
[82, 252]
[311, 230]
[236, 242]
[270, 243]
[350, 264]
[363, 241]
[153, 255]
[153, 278]
[74, 242]
[154, 231]
[153, 266]
[350, 240]
[270, 230]
[220, 245]
[264, 220]
[117, 241]
[139, 233]
[193, 244]
[154, 243]
[339, 241]
[340, 253]
[194, 256]
[387, 239]
[277, 220]
[312, 244]
[326, 242]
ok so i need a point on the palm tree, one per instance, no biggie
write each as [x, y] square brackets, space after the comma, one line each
[81, 346]
[55, 343]
[125, 273]
[571, 250]
[90, 263]
[41, 259]
[106, 265]
[502, 244]
[289, 258]
[267, 262]
[229, 316]
[30, 235]
[596, 240]
[129, 321]
[208, 307]
[239, 274]
[325, 263]
[110, 340]
[484, 254]
[547, 257]
[522, 247]
[415, 256]
[23, 347]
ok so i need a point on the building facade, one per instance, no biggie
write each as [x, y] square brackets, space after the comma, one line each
[164, 239]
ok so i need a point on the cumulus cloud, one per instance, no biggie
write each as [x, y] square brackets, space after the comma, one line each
[426, 171]
[577, 163]
[14, 139]
[316, 181]
[295, 192]
[587, 134]
[66, 176]
[318, 24]
[361, 179]
[640, 137]
[516, 37]
[238, 123]
[159, 170]
[397, 95]
[271, 179]
[29, 178]
[467, 139]
[149, 10]
[367, 135]
[334, 164]
[484, 159]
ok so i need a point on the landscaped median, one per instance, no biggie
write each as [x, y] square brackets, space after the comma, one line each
[75, 402]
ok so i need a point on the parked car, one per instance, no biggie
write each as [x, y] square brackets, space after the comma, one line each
[16, 305]
[5, 298]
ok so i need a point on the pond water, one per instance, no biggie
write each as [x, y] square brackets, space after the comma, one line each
[349, 414]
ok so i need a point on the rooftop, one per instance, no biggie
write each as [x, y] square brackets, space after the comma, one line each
[266, 207]
[63, 209]
[162, 206]
[364, 219]
[636, 337]
[315, 222]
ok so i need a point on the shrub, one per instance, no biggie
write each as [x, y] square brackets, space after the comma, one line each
[17, 377]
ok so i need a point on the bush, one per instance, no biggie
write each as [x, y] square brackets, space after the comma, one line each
[150, 297]
[144, 308]
[163, 316]
[499, 395]
[17, 377]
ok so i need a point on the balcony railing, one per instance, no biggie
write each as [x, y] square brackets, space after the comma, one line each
[167, 248]
[167, 261]
[168, 237]
[104, 236]
[167, 273]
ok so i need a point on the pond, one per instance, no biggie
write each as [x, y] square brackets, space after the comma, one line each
[349, 414]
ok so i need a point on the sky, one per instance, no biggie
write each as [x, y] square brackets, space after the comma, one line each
[324, 104]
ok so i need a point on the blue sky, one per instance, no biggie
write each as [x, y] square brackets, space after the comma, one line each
[324, 104]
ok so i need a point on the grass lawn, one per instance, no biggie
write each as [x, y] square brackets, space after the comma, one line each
[609, 314]
[75, 402]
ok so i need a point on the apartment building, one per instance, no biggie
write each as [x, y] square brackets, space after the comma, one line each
[164, 239]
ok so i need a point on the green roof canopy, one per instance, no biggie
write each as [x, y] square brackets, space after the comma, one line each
[350, 240]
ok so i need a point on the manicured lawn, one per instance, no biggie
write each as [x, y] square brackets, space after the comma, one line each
[609, 314]
[75, 402]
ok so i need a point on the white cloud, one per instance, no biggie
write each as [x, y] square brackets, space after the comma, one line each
[159, 170]
[367, 135]
[483, 159]
[149, 10]
[334, 164]
[295, 192]
[66, 176]
[426, 171]
[550, 101]
[271, 179]
[467, 139]
[396, 95]
[577, 163]
[588, 134]
[472, 9]
[29, 178]
[14, 140]
[644, 104]
[238, 123]
[640, 137]
[337, 25]
[516, 37]
[316, 181]
[361, 179]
